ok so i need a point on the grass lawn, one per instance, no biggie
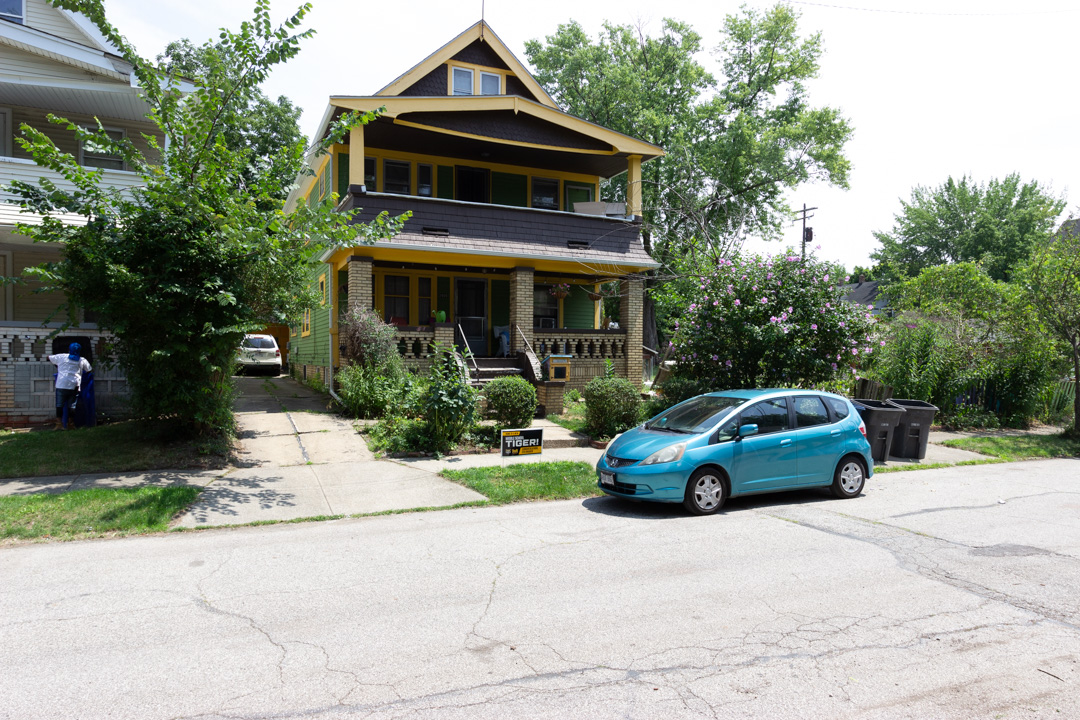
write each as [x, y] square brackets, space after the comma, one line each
[117, 447]
[1019, 447]
[572, 418]
[92, 513]
[529, 481]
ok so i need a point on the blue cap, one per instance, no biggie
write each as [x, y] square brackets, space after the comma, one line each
[73, 351]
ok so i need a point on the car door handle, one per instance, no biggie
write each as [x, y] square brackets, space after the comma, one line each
[835, 433]
[785, 443]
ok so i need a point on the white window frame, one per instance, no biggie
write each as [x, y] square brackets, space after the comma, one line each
[107, 128]
[20, 19]
[7, 134]
[454, 70]
[497, 76]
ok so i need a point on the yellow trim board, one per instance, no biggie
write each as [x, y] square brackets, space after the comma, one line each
[516, 143]
[480, 31]
[397, 106]
[568, 268]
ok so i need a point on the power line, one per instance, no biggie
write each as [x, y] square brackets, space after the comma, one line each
[938, 14]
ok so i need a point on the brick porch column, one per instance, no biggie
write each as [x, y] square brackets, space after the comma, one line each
[521, 307]
[633, 317]
[361, 283]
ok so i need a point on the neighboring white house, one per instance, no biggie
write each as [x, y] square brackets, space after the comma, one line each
[52, 61]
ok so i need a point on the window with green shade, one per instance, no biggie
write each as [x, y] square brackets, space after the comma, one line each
[577, 192]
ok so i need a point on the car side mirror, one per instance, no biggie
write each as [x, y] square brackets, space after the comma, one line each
[748, 430]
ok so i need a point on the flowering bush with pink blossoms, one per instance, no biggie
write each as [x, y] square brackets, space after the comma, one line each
[776, 321]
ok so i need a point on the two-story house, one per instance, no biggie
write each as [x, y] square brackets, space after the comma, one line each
[53, 61]
[507, 244]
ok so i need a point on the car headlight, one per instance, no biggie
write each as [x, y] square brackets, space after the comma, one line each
[669, 454]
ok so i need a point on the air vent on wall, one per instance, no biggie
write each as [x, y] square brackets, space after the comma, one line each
[438, 232]
[577, 244]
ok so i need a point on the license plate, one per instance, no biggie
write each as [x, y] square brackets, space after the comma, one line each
[607, 478]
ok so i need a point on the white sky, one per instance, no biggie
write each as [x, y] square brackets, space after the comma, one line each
[946, 87]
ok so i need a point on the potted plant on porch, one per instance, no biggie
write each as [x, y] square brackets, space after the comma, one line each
[560, 290]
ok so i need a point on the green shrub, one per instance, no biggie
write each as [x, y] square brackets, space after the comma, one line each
[511, 401]
[571, 396]
[369, 392]
[396, 434]
[367, 340]
[450, 407]
[612, 405]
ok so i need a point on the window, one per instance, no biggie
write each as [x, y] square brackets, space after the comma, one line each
[98, 156]
[322, 289]
[463, 81]
[839, 407]
[13, 11]
[424, 185]
[369, 174]
[769, 415]
[577, 192]
[397, 177]
[545, 193]
[490, 84]
[396, 299]
[545, 307]
[810, 411]
[424, 304]
[305, 323]
[5, 131]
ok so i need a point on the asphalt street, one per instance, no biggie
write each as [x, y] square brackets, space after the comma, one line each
[950, 593]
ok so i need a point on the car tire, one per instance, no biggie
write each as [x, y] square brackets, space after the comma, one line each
[705, 492]
[849, 478]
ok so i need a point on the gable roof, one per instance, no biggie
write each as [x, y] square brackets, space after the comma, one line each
[480, 32]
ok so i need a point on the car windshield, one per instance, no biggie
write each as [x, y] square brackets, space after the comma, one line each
[258, 343]
[694, 416]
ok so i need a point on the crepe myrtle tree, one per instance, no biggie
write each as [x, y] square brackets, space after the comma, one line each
[771, 321]
[180, 269]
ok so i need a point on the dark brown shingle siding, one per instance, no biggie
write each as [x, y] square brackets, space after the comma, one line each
[507, 125]
[498, 229]
[479, 53]
[432, 84]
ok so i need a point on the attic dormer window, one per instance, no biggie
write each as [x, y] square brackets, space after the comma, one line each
[463, 80]
[13, 11]
[467, 81]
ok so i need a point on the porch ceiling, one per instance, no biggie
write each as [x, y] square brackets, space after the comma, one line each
[110, 100]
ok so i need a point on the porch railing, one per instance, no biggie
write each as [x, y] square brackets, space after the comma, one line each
[581, 344]
[414, 343]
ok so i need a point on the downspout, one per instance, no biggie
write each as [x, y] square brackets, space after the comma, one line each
[330, 333]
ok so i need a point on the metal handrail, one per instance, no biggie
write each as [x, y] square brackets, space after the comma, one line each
[472, 357]
[524, 339]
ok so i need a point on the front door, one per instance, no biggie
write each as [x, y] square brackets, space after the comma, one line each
[470, 314]
[768, 460]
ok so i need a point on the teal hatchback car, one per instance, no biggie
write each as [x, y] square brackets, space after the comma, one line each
[740, 442]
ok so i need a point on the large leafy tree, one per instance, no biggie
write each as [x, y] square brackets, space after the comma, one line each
[180, 269]
[1053, 281]
[996, 224]
[261, 125]
[734, 145]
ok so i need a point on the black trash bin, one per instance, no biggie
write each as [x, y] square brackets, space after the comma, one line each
[913, 433]
[881, 419]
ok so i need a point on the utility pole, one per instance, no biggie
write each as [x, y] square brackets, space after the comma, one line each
[807, 232]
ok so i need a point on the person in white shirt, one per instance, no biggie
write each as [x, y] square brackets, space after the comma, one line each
[69, 370]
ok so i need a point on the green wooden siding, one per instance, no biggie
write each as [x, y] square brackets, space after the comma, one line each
[576, 192]
[314, 349]
[342, 174]
[509, 189]
[578, 310]
[446, 182]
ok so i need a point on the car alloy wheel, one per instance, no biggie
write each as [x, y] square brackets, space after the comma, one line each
[705, 492]
[849, 479]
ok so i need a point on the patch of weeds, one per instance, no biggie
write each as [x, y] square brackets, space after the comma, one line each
[1019, 447]
[935, 466]
[116, 447]
[561, 480]
[572, 418]
[96, 512]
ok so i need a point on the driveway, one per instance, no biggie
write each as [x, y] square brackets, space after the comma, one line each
[300, 460]
[938, 594]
